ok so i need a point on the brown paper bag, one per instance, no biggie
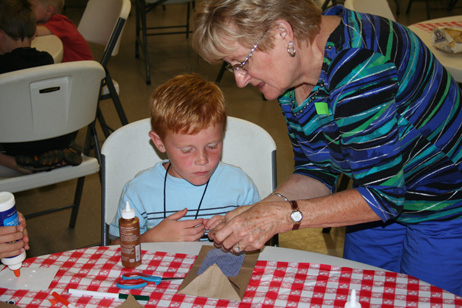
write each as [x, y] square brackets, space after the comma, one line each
[213, 283]
[130, 302]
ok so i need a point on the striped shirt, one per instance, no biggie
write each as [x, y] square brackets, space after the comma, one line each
[385, 113]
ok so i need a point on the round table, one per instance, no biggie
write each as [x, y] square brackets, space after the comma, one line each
[51, 44]
[451, 61]
[269, 253]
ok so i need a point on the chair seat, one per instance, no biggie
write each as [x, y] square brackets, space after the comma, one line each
[105, 89]
[15, 182]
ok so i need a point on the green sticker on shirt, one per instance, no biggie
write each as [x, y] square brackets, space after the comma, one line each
[321, 108]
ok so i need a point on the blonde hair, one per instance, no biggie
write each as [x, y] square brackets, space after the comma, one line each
[217, 22]
[56, 4]
[186, 104]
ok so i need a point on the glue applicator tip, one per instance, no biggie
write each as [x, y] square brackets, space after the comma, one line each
[17, 272]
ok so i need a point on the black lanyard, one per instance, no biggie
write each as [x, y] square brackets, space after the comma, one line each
[165, 194]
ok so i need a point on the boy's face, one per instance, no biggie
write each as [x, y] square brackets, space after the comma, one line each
[193, 157]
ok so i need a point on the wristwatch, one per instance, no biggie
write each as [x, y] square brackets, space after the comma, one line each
[296, 215]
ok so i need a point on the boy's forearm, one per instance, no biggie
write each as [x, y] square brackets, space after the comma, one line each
[42, 30]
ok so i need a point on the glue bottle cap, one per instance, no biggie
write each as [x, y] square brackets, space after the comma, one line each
[17, 272]
[353, 303]
[128, 212]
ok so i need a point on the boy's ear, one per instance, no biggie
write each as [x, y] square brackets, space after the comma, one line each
[157, 141]
[50, 11]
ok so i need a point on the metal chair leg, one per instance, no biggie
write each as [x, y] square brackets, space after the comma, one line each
[397, 7]
[76, 204]
[220, 73]
[116, 99]
[409, 6]
[102, 122]
[137, 29]
[187, 19]
[142, 40]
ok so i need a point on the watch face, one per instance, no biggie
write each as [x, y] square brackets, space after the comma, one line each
[296, 216]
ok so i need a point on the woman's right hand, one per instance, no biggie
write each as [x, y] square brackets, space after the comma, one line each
[250, 226]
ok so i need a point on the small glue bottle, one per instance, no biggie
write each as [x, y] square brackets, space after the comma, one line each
[9, 217]
[353, 303]
[129, 228]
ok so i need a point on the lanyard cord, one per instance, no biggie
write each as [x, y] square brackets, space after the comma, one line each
[165, 194]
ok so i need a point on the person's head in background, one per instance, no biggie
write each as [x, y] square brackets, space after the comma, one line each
[17, 25]
[188, 119]
[44, 9]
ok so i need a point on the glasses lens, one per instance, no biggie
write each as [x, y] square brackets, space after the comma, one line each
[229, 67]
[236, 68]
[240, 69]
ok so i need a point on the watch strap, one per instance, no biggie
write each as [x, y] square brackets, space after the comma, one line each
[295, 208]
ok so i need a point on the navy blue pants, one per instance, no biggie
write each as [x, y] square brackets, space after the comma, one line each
[430, 251]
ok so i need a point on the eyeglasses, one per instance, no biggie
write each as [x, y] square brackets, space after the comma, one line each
[240, 67]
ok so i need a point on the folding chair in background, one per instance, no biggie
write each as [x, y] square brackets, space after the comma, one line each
[102, 23]
[46, 102]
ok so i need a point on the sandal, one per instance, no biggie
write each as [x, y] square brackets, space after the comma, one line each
[24, 161]
[51, 159]
[44, 162]
[73, 154]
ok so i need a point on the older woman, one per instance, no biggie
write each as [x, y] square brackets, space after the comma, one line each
[361, 96]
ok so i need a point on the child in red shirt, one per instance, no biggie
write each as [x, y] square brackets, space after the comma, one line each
[50, 21]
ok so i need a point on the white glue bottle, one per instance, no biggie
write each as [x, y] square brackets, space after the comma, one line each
[130, 247]
[9, 217]
[353, 301]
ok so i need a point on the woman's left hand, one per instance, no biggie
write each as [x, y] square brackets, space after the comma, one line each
[250, 227]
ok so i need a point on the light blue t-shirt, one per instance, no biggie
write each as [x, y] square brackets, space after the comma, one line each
[228, 188]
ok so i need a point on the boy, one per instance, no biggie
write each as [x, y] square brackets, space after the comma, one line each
[174, 199]
[50, 21]
[17, 29]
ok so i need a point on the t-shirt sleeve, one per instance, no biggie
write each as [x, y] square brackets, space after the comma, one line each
[363, 89]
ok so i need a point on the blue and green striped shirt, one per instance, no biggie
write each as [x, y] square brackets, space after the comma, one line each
[385, 113]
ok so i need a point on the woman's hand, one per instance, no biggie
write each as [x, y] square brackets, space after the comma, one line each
[212, 223]
[172, 230]
[250, 226]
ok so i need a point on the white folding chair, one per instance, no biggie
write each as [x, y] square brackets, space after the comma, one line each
[376, 7]
[102, 23]
[143, 30]
[129, 150]
[46, 102]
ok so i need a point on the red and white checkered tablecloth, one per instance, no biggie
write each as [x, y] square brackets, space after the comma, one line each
[428, 26]
[273, 284]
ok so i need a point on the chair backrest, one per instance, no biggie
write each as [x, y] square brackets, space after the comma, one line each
[48, 101]
[129, 150]
[375, 7]
[103, 21]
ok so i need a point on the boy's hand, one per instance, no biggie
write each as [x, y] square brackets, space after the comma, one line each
[172, 230]
[12, 241]
[211, 223]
